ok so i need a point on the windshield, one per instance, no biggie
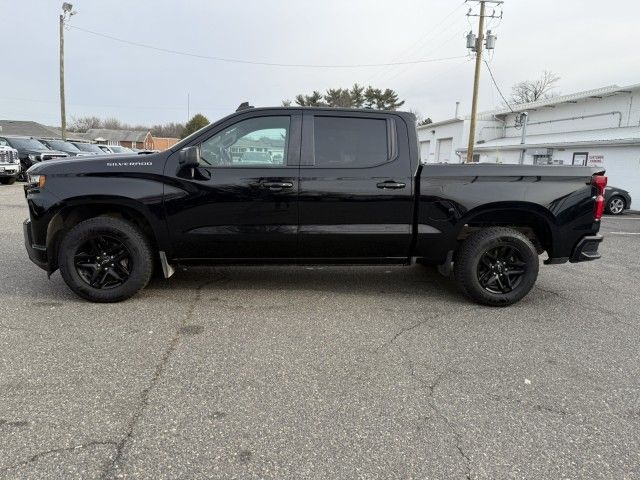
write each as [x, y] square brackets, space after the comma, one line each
[27, 144]
[62, 145]
[89, 147]
[119, 149]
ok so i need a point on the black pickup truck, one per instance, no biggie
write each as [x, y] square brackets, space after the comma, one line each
[307, 186]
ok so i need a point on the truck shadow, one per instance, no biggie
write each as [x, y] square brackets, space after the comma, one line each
[351, 280]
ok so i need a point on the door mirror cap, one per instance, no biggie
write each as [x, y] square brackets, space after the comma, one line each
[189, 157]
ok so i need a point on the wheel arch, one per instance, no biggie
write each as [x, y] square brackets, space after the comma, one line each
[77, 210]
[535, 221]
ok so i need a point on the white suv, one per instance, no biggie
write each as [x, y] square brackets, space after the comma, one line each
[9, 165]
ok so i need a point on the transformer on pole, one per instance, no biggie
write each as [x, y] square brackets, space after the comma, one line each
[475, 45]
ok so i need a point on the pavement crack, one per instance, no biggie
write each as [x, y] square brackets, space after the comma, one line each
[431, 388]
[466, 461]
[409, 328]
[121, 446]
[611, 315]
[39, 455]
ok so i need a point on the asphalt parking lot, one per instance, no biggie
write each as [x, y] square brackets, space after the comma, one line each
[322, 373]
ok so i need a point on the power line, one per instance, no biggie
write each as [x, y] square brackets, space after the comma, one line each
[419, 43]
[496, 85]
[251, 62]
[136, 107]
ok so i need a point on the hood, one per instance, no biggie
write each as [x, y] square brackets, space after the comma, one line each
[94, 164]
[42, 153]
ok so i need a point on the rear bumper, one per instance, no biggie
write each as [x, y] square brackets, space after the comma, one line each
[586, 249]
[37, 253]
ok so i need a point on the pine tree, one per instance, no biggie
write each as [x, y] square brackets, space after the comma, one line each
[389, 100]
[357, 96]
[313, 100]
[197, 122]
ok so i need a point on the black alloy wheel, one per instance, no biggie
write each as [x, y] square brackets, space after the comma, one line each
[496, 266]
[103, 262]
[501, 269]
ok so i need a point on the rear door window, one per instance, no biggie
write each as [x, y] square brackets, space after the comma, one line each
[347, 142]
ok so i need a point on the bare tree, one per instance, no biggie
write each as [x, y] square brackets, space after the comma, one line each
[113, 124]
[420, 120]
[532, 90]
[171, 129]
[82, 124]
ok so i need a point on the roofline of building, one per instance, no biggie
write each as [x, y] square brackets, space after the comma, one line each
[568, 98]
[571, 97]
[440, 123]
[587, 143]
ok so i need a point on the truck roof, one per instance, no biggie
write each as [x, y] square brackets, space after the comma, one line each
[243, 109]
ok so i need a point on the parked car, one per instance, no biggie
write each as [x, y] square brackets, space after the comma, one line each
[115, 149]
[63, 146]
[30, 150]
[89, 147]
[616, 200]
[350, 190]
[255, 158]
[9, 164]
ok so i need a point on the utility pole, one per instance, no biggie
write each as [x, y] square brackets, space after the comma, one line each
[476, 45]
[63, 114]
[66, 12]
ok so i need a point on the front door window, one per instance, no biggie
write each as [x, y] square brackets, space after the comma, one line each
[256, 142]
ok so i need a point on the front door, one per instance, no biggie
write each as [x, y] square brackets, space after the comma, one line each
[241, 203]
[356, 190]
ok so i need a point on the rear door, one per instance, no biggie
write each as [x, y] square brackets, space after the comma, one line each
[241, 203]
[356, 190]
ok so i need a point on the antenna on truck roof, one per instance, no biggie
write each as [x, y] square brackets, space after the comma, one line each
[244, 106]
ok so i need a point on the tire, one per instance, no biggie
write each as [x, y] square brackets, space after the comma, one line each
[121, 270]
[616, 205]
[515, 266]
[8, 180]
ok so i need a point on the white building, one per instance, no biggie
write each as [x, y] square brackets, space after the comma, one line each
[598, 127]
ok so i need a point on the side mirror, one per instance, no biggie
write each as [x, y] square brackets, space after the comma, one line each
[189, 157]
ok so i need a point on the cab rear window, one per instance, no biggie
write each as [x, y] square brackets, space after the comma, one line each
[346, 142]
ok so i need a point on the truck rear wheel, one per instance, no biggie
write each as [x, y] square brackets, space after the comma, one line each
[496, 266]
[8, 180]
[105, 259]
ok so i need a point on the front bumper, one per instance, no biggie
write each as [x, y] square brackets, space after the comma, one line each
[9, 170]
[37, 253]
[586, 249]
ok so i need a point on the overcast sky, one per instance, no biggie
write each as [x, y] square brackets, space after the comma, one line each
[588, 43]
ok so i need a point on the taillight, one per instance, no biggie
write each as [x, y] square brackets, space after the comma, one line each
[600, 182]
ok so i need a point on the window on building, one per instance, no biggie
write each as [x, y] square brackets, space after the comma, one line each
[580, 158]
[346, 142]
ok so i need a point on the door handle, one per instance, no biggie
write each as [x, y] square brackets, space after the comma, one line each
[391, 185]
[277, 186]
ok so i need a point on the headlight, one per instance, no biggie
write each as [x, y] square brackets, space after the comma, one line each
[33, 157]
[36, 180]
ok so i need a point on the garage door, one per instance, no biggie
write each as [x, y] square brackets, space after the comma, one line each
[623, 169]
[444, 150]
[424, 151]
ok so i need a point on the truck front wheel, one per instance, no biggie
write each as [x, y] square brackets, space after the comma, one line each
[105, 259]
[496, 266]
